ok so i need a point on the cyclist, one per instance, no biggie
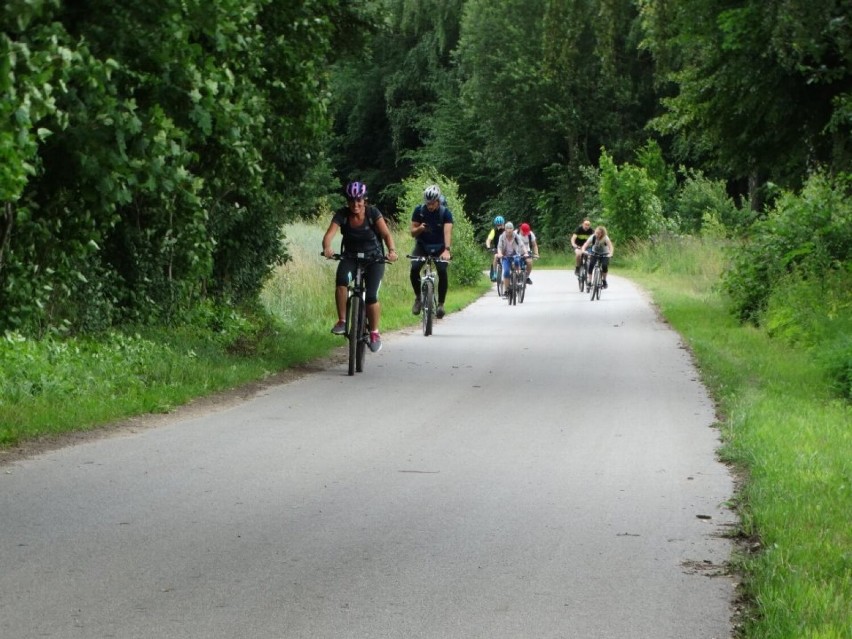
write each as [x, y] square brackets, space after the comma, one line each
[528, 238]
[493, 235]
[432, 230]
[581, 234]
[363, 229]
[509, 245]
[600, 248]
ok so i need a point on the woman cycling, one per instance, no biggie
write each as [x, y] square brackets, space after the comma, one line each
[363, 229]
[601, 248]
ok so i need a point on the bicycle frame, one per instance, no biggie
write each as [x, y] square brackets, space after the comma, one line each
[428, 290]
[517, 279]
[596, 281]
[582, 275]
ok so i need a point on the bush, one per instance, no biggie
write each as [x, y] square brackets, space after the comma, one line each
[631, 208]
[704, 205]
[810, 234]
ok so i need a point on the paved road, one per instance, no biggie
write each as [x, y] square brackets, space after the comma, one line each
[540, 471]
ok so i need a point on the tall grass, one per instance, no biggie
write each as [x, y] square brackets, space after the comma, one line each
[787, 431]
[57, 385]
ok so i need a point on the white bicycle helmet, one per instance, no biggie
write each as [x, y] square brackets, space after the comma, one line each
[432, 193]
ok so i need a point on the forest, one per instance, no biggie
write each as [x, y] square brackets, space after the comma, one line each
[150, 153]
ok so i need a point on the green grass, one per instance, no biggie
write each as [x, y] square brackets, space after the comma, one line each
[788, 435]
[54, 386]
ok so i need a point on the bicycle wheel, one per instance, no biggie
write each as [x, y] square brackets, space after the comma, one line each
[428, 312]
[581, 277]
[364, 335]
[596, 282]
[353, 333]
[500, 283]
[522, 286]
[513, 289]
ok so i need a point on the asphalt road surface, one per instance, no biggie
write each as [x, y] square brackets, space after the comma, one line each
[545, 470]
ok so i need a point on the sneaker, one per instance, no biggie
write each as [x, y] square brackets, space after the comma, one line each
[529, 282]
[375, 341]
[439, 312]
[339, 328]
[415, 308]
[604, 284]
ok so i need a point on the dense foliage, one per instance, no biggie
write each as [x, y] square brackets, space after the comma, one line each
[151, 151]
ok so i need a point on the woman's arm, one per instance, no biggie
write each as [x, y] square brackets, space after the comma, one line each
[328, 237]
[385, 234]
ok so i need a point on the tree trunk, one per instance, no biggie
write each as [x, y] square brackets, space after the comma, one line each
[6, 220]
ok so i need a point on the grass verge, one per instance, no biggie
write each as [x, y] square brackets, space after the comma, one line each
[787, 434]
[52, 386]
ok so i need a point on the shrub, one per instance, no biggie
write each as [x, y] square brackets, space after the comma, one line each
[810, 233]
[704, 205]
[631, 208]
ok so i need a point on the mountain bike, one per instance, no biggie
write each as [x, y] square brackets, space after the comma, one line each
[595, 283]
[517, 280]
[357, 326]
[496, 272]
[428, 290]
[582, 274]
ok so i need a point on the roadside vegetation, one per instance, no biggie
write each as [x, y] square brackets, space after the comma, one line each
[59, 384]
[785, 426]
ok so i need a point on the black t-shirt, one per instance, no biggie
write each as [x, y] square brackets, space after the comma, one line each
[582, 235]
[432, 240]
[359, 239]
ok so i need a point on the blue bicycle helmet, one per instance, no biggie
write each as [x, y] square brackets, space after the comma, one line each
[499, 221]
[356, 190]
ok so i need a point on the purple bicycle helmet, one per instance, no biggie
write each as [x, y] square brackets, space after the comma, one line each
[356, 190]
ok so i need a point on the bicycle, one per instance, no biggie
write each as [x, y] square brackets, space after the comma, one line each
[495, 273]
[357, 326]
[428, 291]
[595, 284]
[582, 275]
[517, 279]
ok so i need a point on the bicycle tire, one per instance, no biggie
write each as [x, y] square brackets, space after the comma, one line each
[596, 283]
[581, 278]
[363, 340]
[353, 334]
[428, 296]
[500, 283]
[522, 286]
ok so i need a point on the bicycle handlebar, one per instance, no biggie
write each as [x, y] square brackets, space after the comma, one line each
[359, 256]
[426, 258]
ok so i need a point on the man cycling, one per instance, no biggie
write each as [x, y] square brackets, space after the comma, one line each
[493, 235]
[581, 234]
[432, 230]
[528, 238]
